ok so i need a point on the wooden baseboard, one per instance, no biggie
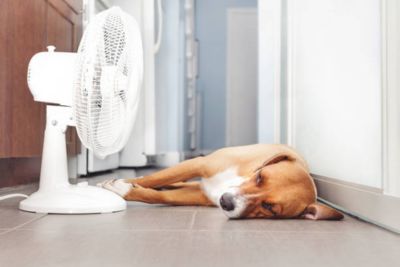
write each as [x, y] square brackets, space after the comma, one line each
[368, 204]
[18, 171]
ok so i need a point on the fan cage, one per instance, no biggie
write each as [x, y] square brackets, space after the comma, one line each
[108, 83]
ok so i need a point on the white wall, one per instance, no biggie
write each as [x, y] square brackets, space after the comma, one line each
[335, 85]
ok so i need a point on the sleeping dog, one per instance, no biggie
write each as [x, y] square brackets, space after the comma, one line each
[255, 181]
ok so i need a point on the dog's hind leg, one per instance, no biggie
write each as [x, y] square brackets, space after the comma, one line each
[184, 196]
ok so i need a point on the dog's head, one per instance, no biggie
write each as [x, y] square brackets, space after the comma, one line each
[280, 188]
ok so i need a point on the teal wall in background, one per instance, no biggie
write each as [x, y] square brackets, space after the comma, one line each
[211, 31]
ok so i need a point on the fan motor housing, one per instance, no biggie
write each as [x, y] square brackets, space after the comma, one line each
[51, 77]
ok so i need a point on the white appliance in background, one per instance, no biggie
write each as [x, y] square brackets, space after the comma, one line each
[142, 144]
[97, 90]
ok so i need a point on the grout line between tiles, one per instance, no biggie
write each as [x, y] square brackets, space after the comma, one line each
[3, 231]
[23, 224]
[192, 220]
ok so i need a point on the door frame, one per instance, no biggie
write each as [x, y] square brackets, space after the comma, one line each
[270, 54]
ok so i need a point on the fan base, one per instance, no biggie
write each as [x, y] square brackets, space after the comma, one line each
[73, 199]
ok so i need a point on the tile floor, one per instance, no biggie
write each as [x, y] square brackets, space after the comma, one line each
[146, 235]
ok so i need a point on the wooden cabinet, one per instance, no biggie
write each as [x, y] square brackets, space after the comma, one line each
[22, 33]
[27, 27]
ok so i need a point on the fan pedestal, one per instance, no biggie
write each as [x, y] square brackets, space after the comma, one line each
[56, 194]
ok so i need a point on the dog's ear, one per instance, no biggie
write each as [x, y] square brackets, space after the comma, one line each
[277, 158]
[318, 211]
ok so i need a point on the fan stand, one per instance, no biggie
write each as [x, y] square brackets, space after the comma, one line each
[56, 194]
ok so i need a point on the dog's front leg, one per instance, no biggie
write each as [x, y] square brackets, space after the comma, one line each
[188, 196]
[184, 196]
[181, 172]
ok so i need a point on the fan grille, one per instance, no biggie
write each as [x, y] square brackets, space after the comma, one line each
[108, 84]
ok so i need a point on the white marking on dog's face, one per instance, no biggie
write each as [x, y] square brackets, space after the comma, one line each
[227, 181]
[118, 186]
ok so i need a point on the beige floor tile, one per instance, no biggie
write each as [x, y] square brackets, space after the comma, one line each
[376, 236]
[32, 248]
[13, 202]
[187, 248]
[11, 217]
[216, 220]
[131, 219]
[326, 250]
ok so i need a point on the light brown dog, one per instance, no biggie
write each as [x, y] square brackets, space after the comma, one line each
[255, 181]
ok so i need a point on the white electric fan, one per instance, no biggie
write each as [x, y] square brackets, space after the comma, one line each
[97, 90]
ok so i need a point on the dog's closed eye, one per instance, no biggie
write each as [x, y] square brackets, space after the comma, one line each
[268, 206]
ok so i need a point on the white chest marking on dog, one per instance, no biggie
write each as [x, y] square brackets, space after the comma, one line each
[227, 181]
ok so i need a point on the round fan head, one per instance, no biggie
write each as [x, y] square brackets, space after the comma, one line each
[108, 83]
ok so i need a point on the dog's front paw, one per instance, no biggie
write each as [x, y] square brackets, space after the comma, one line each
[118, 186]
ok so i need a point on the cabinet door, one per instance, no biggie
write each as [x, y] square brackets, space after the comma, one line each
[22, 34]
[64, 24]
[27, 27]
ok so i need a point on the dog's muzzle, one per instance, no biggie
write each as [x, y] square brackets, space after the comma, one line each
[232, 204]
[227, 202]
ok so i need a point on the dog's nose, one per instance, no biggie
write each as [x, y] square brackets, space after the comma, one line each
[227, 202]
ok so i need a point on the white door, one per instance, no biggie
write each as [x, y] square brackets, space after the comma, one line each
[241, 91]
